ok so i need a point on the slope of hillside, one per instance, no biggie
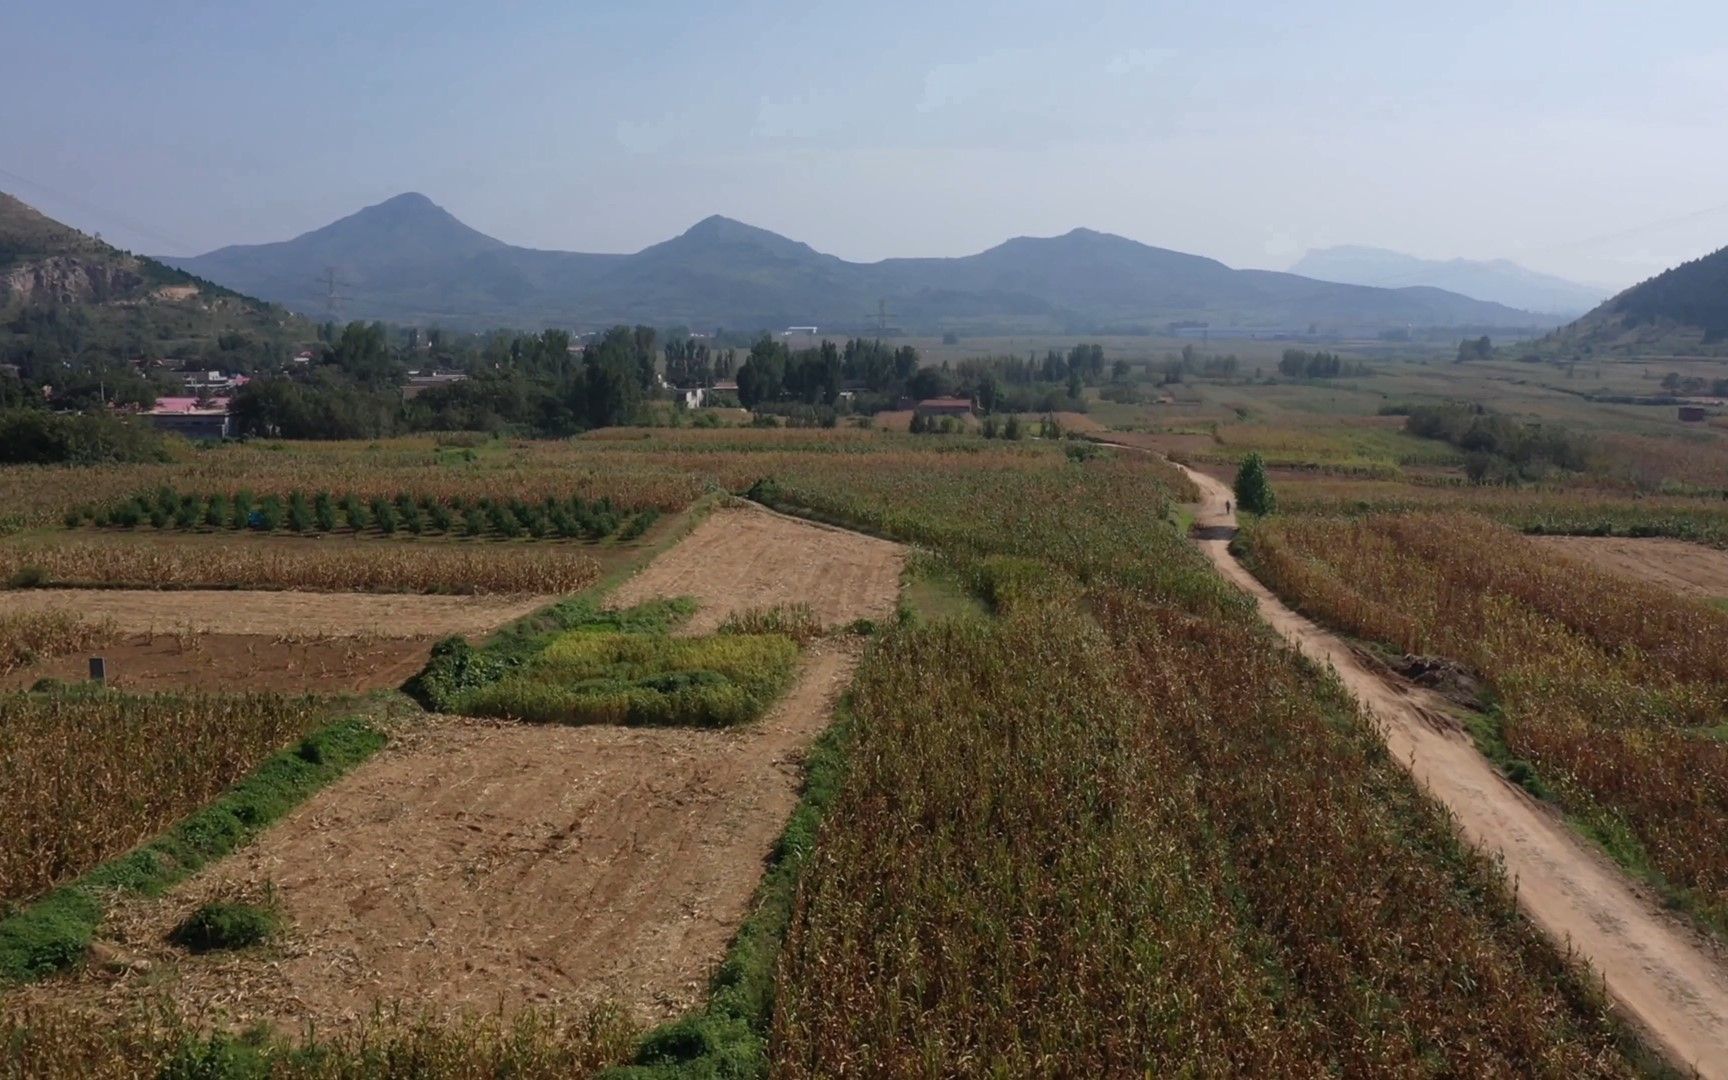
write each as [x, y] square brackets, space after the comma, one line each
[1680, 312]
[67, 294]
[409, 260]
[1499, 281]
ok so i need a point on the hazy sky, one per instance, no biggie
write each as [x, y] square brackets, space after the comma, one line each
[1579, 137]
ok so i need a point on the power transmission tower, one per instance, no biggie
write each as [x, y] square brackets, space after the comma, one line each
[333, 299]
[882, 316]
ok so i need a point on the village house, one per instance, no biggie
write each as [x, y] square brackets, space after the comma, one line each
[944, 406]
[193, 417]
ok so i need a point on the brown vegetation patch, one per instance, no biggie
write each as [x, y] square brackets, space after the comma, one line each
[489, 866]
[1690, 569]
[219, 663]
[743, 559]
[278, 614]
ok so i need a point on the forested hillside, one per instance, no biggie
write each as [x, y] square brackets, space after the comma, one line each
[1679, 312]
[68, 299]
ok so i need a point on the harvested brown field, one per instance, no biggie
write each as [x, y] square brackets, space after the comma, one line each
[218, 663]
[281, 614]
[487, 866]
[1689, 569]
[747, 558]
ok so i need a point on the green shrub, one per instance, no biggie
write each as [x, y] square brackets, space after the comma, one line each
[324, 512]
[216, 512]
[269, 515]
[299, 512]
[454, 669]
[227, 925]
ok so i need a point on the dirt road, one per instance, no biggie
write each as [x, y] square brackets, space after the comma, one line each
[1666, 979]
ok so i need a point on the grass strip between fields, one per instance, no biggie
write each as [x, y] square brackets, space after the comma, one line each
[55, 932]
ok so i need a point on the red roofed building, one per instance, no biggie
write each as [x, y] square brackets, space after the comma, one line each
[944, 406]
[186, 416]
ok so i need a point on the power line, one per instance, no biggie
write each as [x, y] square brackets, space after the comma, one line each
[98, 212]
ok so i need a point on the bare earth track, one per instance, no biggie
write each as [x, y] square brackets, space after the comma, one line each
[1689, 569]
[746, 557]
[1666, 978]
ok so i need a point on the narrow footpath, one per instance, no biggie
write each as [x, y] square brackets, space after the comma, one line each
[1664, 976]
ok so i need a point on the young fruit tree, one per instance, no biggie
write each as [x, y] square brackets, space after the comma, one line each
[1253, 490]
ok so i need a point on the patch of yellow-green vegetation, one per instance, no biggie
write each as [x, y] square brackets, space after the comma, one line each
[612, 670]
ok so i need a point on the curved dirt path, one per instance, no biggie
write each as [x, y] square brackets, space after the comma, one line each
[1664, 977]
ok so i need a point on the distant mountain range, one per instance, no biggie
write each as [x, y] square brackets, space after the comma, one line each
[1680, 312]
[64, 292]
[408, 260]
[1499, 281]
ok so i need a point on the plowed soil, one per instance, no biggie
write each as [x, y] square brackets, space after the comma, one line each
[482, 865]
[236, 662]
[745, 558]
[1691, 569]
[296, 614]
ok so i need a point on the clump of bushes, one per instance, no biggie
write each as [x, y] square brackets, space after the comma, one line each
[227, 924]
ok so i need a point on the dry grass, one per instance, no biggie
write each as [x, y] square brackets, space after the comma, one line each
[428, 568]
[87, 777]
[27, 637]
[391, 1045]
[1613, 689]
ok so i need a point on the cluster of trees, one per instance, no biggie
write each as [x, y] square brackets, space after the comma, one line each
[1299, 364]
[1692, 385]
[1498, 448]
[33, 436]
[879, 375]
[775, 373]
[691, 363]
[1475, 349]
[535, 385]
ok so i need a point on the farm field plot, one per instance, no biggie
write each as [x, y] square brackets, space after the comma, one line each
[147, 663]
[743, 559]
[487, 865]
[1691, 569]
[217, 611]
[289, 642]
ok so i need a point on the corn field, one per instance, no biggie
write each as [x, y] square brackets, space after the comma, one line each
[390, 1045]
[87, 777]
[157, 562]
[1121, 801]
[29, 636]
[1616, 691]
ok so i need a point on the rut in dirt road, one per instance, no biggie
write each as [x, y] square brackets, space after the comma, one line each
[1664, 976]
